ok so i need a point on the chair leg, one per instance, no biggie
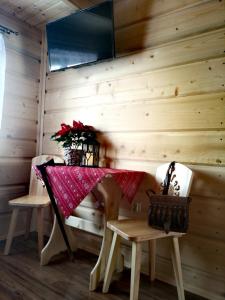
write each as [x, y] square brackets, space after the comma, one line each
[120, 261]
[113, 255]
[28, 222]
[11, 230]
[51, 214]
[40, 228]
[135, 270]
[177, 268]
[152, 259]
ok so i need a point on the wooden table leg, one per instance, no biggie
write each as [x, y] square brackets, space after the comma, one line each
[112, 195]
[56, 243]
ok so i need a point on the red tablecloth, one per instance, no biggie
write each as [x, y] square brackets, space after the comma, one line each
[70, 185]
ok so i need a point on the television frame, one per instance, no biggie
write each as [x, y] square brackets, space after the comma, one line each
[91, 62]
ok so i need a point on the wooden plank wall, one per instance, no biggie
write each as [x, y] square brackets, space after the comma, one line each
[19, 124]
[37, 13]
[163, 102]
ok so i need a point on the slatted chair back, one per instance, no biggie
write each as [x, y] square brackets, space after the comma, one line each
[36, 186]
[181, 179]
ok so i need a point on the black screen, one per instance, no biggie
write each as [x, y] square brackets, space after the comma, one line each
[84, 37]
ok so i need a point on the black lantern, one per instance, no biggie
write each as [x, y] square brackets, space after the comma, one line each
[90, 147]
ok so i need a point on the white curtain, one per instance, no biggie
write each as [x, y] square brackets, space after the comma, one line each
[2, 74]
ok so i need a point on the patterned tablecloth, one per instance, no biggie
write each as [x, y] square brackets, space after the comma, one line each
[70, 185]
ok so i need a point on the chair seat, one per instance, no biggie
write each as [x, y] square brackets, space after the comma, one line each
[138, 230]
[30, 201]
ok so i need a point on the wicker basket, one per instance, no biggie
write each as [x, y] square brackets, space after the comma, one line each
[73, 157]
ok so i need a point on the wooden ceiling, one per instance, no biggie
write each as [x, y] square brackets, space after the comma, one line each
[39, 12]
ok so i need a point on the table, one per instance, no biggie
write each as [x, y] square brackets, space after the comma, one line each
[70, 185]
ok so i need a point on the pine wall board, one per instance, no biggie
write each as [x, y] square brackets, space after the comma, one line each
[18, 129]
[23, 65]
[163, 102]
[18, 133]
[184, 22]
[130, 12]
[190, 49]
[190, 112]
[7, 193]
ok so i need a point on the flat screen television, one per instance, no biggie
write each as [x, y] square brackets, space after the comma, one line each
[84, 37]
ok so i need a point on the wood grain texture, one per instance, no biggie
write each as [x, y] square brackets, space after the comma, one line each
[203, 46]
[179, 24]
[164, 147]
[163, 102]
[128, 11]
[22, 64]
[63, 279]
[10, 192]
[37, 13]
[171, 114]
[138, 230]
[18, 128]
[208, 180]
[161, 146]
[10, 171]
[189, 79]
[164, 265]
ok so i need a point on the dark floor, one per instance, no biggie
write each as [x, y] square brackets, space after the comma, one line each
[21, 277]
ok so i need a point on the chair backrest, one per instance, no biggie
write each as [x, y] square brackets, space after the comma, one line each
[36, 187]
[181, 179]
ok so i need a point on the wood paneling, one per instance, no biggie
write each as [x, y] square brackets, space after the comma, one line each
[200, 47]
[18, 128]
[17, 148]
[186, 113]
[22, 108]
[161, 103]
[201, 147]
[10, 172]
[10, 192]
[171, 26]
[128, 12]
[38, 13]
[18, 131]
[194, 147]
[189, 79]
[21, 64]
[211, 212]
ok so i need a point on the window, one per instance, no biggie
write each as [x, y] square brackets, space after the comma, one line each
[2, 74]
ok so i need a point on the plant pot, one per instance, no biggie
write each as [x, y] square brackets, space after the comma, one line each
[73, 157]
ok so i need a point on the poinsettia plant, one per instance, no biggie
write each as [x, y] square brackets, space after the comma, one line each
[72, 136]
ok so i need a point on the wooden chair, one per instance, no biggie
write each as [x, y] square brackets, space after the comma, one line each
[138, 231]
[36, 199]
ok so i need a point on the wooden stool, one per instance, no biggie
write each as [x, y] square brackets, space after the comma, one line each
[37, 199]
[138, 231]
